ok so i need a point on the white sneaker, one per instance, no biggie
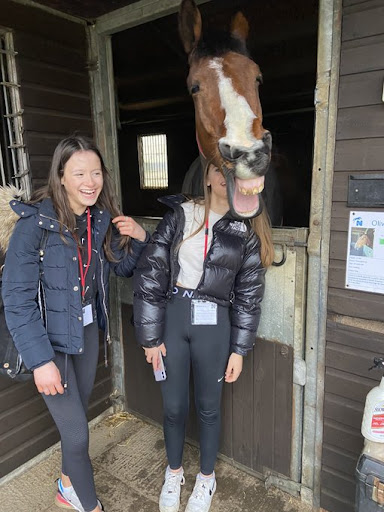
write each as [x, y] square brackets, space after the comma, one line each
[169, 500]
[202, 494]
[66, 497]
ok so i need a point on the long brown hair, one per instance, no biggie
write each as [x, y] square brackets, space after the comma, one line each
[58, 195]
[260, 224]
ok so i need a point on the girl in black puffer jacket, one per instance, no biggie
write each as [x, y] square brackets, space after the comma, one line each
[197, 292]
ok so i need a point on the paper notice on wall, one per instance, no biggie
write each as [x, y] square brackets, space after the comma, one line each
[365, 255]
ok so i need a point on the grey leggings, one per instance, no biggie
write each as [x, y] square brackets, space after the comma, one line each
[206, 347]
[69, 412]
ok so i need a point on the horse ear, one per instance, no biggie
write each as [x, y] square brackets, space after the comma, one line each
[240, 27]
[190, 25]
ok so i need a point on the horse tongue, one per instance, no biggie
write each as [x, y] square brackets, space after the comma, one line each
[247, 203]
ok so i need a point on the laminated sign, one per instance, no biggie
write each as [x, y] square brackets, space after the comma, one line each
[365, 252]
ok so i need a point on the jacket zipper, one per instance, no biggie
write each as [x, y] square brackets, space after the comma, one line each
[108, 337]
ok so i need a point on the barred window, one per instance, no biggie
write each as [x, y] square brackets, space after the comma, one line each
[13, 157]
[153, 161]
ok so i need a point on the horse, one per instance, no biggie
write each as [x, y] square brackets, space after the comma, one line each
[224, 83]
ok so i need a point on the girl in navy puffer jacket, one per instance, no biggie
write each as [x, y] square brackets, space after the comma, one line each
[74, 214]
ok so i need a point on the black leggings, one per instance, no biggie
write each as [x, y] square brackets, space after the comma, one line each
[207, 348]
[69, 412]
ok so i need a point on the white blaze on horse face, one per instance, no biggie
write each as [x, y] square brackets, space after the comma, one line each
[238, 114]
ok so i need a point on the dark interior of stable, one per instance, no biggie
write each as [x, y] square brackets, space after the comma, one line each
[150, 69]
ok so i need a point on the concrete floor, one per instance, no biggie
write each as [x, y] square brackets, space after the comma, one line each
[129, 461]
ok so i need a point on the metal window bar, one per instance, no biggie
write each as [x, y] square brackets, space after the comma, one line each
[153, 161]
[14, 164]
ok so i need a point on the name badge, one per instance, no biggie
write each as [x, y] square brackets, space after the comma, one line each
[88, 317]
[203, 312]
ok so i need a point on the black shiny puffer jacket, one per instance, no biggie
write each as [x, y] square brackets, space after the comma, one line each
[233, 276]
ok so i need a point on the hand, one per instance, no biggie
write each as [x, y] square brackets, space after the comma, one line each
[48, 379]
[129, 227]
[152, 355]
[234, 367]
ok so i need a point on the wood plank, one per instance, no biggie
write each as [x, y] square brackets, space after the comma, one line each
[41, 144]
[356, 303]
[56, 123]
[338, 245]
[354, 337]
[334, 502]
[53, 76]
[352, 360]
[47, 25]
[346, 412]
[283, 409]
[362, 56]
[336, 275]
[142, 391]
[338, 459]
[365, 22]
[263, 404]
[52, 52]
[360, 154]
[242, 407]
[360, 122]
[71, 103]
[348, 385]
[337, 434]
[335, 481]
[360, 89]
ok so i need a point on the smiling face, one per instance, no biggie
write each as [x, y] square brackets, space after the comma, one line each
[83, 180]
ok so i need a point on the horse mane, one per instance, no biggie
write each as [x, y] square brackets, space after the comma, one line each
[217, 44]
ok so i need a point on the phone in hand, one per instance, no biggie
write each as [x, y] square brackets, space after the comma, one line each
[160, 374]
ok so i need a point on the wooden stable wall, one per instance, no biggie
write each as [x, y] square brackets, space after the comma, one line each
[52, 69]
[351, 343]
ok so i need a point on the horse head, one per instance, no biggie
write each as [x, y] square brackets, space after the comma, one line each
[224, 81]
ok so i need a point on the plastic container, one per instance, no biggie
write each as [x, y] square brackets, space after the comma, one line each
[372, 426]
[369, 485]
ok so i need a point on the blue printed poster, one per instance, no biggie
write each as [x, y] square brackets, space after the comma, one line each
[365, 254]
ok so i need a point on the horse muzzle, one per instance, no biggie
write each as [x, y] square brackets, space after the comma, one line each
[247, 162]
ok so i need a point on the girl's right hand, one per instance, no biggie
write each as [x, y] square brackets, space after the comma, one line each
[48, 379]
[152, 355]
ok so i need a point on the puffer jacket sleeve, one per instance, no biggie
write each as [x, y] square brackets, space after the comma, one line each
[248, 293]
[19, 289]
[127, 261]
[151, 283]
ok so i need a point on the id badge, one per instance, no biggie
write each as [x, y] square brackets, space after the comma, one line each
[88, 315]
[203, 312]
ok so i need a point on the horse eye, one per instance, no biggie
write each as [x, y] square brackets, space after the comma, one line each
[195, 88]
[259, 79]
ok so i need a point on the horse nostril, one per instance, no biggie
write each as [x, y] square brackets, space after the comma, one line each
[267, 139]
[230, 152]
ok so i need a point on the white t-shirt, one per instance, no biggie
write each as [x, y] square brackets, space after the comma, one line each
[191, 252]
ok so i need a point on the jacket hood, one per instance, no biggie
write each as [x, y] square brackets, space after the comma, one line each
[8, 216]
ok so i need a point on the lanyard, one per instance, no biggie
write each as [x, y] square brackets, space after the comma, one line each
[83, 273]
[206, 238]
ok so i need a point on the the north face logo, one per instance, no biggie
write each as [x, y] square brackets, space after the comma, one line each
[238, 226]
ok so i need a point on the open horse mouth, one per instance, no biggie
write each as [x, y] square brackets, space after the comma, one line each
[243, 195]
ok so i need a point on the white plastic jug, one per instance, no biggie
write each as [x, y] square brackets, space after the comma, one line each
[372, 426]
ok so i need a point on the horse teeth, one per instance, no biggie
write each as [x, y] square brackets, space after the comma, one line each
[251, 191]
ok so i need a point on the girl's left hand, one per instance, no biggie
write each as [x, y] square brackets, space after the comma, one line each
[234, 367]
[129, 227]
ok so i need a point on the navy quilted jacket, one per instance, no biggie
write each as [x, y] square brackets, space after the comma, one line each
[59, 273]
[233, 276]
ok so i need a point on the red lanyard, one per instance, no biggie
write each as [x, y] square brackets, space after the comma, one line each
[83, 273]
[206, 238]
